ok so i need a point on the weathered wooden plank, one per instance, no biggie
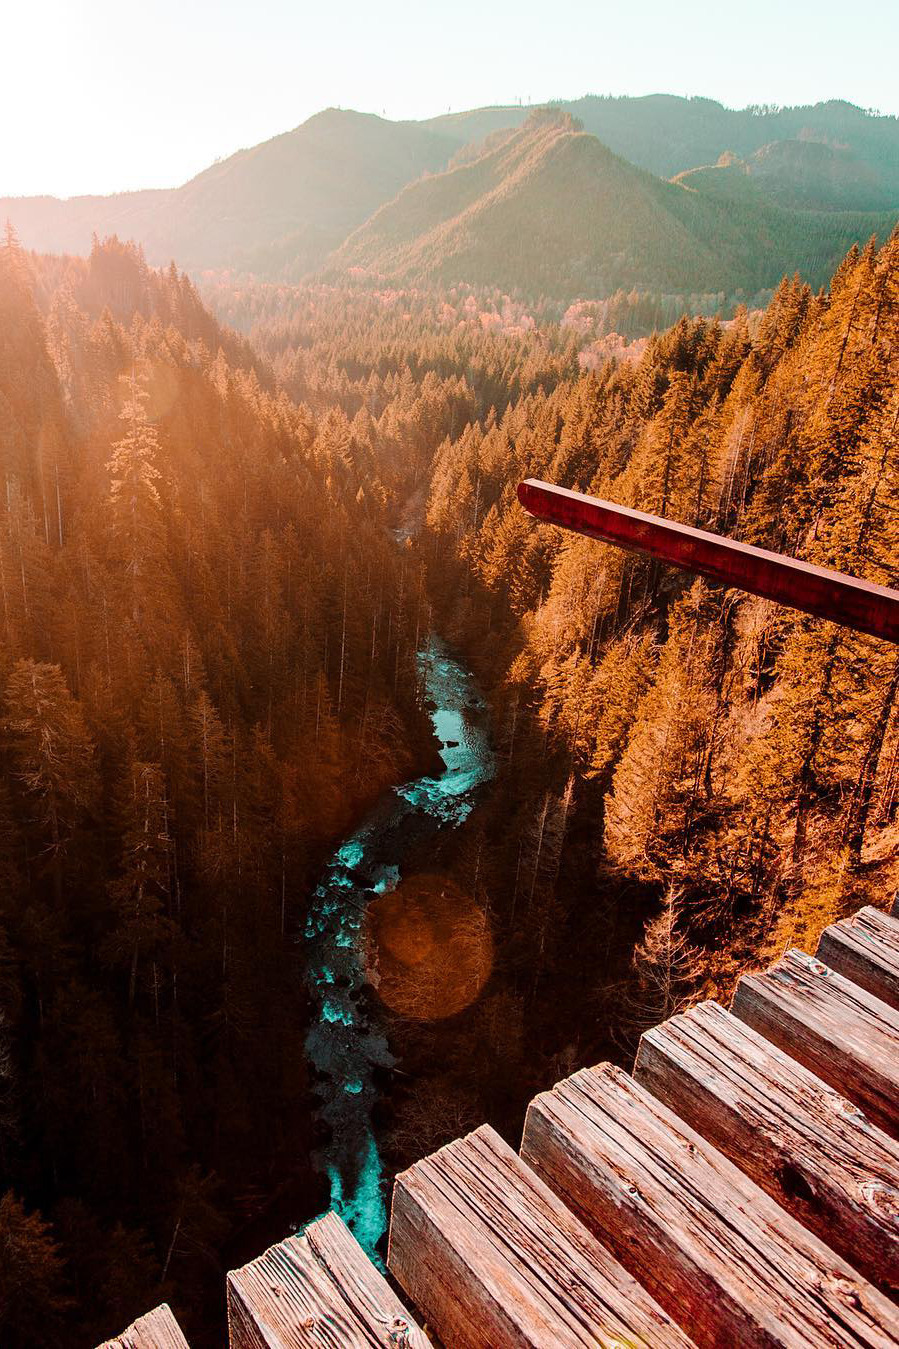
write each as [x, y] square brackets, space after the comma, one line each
[816, 590]
[796, 1137]
[318, 1289]
[838, 1030]
[157, 1330]
[495, 1261]
[363, 1286]
[865, 949]
[717, 1252]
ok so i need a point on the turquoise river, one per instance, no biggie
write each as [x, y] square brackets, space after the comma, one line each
[346, 1046]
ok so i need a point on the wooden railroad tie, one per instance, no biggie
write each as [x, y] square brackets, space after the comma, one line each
[845, 1035]
[717, 1253]
[799, 1139]
[157, 1330]
[741, 1188]
[493, 1258]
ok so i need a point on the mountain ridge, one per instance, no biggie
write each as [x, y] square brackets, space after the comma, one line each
[668, 134]
[494, 219]
[302, 190]
[294, 204]
[798, 174]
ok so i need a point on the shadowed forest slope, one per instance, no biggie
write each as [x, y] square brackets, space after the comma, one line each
[206, 671]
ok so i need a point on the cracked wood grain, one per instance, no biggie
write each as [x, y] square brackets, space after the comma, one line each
[496, 1261]
[796, 1137]
[317, 1291]
[714, 1250]
[865, 949]
[157, 1330]
[845, 1036]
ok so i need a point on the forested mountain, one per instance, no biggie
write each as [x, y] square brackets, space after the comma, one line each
[206, 671]
[549, 210]
[797, 174]
[666, 134]
[280, 209]
[280, 206]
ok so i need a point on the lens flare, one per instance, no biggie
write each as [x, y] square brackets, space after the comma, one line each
[430, 948]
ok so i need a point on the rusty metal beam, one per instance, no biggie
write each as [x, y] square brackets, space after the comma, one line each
[815, 590]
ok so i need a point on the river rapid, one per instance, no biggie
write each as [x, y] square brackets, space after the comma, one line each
[346, 1046]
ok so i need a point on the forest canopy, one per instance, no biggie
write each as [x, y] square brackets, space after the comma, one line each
[207, 673]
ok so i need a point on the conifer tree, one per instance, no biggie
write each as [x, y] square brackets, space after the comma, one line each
[32, 1286]
[665, 962]
[136, 516]
[52, 754]
[141, 894]
[663, 775]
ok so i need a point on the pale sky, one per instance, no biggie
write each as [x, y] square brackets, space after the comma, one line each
[102, 96]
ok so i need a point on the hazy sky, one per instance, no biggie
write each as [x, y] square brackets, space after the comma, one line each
[102, 95]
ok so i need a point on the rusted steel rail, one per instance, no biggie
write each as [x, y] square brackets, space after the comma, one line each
[815, 590]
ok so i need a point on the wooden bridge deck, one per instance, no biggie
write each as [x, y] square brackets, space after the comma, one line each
[741, 1187]
[157, 1330]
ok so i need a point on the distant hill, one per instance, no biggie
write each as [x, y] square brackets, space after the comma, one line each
[667, 135]
[548, 209]
[285, 203]
[572, 215]
[802, 175]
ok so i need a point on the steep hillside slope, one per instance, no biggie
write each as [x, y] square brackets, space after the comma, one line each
[550, 210]
[197, 700]
[286, 202]
[798, 174]
[280, 208]
[666, 134]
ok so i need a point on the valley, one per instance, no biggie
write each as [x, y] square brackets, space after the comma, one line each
[344, 807]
